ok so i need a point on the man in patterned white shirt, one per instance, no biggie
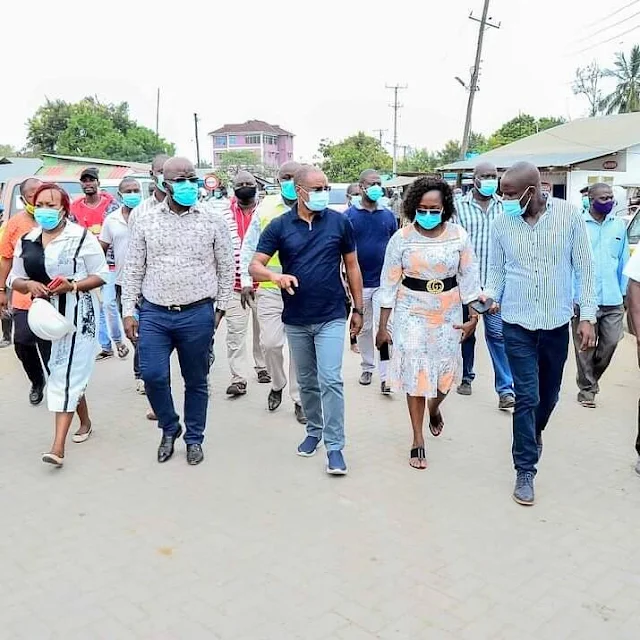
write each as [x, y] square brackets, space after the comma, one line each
[180, 260]
[536, 248]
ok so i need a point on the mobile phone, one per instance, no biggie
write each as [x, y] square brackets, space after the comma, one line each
[353, 340]
[384, 352]
[55, 282]
[481, 307]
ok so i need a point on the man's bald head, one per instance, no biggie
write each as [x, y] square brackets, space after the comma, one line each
[307, 173]
[369, 177]
[244, 179]
[288, 170]
[158, 162]
[522, 175]
[485, 170]
[599, 189]
[178, 167]
[28, 187]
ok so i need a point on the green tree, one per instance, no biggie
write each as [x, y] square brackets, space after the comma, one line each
[452, 149]
[91, 128]
[418, 160]
[345, 161]
[7, 150]
[626, 72]
[233, 161]
[520, 127]
[587, 83]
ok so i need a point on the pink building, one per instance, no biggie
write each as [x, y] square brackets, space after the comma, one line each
[272, 145]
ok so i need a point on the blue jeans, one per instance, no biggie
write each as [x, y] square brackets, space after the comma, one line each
[317, 351]
[537, 360]
[109, 313]
[189, 332]
[495, 344]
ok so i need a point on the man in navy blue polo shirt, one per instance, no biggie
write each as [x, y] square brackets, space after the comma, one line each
[312, 241]
[374, 225]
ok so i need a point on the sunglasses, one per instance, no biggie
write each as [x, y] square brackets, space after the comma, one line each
[192, 180]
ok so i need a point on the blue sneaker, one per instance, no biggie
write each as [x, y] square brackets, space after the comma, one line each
[308, 446]
[336, 466]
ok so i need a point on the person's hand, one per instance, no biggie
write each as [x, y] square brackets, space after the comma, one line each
[383, 337]
[218, 318]
[37, 289]
[247, 296]
[62, 286]
[4, 302]
[287, 282]
[468, 328]
[131, 328]
[356, 324]
[587, 335]
[576, 309]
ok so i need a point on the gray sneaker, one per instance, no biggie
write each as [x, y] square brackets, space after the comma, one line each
[523, 492]
[464, 389]
[638, 466]
[365, 378]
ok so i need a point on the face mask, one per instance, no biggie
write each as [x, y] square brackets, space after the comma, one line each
[47, 218]
[217, 195]
[603, 208]
[185, 193]
[160, 183]
[244, 194]
[356, 201]
[374, 192]
[318, 201]
[288, 190]
[131, 200]
[488, 187]
[586, 203]
[513, 208]
[429, 219]
[29, 208]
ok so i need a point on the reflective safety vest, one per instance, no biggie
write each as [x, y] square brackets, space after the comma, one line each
[270, 208]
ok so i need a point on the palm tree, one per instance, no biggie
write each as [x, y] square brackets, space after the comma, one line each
[626, 96]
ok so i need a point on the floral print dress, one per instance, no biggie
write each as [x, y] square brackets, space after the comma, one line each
[426, 356]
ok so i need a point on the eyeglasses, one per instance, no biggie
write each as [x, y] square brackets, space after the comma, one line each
[316, 189]
[192, 180]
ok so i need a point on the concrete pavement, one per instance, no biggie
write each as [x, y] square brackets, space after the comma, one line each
[259, 544]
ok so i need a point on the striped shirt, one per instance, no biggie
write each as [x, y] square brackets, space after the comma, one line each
[531, 267]
[238, 222]
[477, 223]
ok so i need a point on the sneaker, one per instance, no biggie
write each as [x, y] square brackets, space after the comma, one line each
[638, 466]
[236, 389]
[523, 492]
[140, 388]
[299, 412]
[365, 378]
[104, 355]
[464, 388]
[336, 466]
[308, 446]
[385, 389]
[264, 377]
[507, 401]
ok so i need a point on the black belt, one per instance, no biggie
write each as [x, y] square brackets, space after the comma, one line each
[180, 307]
[431, 286]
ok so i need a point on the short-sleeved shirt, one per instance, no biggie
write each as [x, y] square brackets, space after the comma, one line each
[373, 230]
[312, 252]
[115, 232]
[17, 226]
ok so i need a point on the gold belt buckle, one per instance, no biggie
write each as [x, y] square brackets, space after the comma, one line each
[435, 286]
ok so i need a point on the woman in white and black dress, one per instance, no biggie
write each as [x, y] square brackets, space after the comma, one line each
[60, 261]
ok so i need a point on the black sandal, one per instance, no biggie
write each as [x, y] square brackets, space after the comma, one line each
[420, 454]
[436, 424]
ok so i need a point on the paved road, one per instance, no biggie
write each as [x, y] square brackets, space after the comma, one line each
[258, 543]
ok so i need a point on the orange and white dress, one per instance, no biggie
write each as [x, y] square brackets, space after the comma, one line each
[426, 356]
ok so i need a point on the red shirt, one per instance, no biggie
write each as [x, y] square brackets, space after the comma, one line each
[91, 217]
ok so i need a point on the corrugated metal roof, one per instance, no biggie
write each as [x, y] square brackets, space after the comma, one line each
[138, 166]
[18, 167]
[252, 126]
[571, 143]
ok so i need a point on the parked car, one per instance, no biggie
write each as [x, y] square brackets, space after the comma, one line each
[633, 226]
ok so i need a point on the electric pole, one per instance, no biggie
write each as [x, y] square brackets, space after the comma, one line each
[395, 106]
[475, 73]
[380, 132]
[158, 112]
[195, 121]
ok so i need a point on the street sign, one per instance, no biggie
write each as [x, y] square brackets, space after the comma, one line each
[211, 182]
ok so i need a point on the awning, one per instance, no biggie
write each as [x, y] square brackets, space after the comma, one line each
[400, 181]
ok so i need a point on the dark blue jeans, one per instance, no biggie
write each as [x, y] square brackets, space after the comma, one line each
[537, 360]
[190, 333]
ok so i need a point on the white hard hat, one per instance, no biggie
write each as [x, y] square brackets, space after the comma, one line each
[46, 322]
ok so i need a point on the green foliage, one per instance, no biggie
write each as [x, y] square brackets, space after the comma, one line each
[7, 150]
[520, 127]
[452, 149]
[233, 161]
[345, 161]
[419, 161]
[626, 72]
[92, 129]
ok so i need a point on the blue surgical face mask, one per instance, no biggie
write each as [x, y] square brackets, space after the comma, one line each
[488, 186]
[356, 201]
[429, 218]
[513, 208]
[47, 218]
[160, 183]
[131, 200]
[288, 190]
[586, 203]
[318, 201]
[185, 193]
[374, 192]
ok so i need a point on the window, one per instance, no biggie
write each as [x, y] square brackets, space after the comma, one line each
[252, 139]
[270, 140]
[633, 230]
[232, 140]
[221, 141]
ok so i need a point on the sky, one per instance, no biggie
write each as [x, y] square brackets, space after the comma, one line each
[318, 70]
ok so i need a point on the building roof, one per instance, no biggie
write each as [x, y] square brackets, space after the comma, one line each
[565, 145]
[252, 126]
[138, 166]
[18, 167]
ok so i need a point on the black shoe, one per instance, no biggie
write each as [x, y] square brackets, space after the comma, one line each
[264, 377]
[464, 389]
[274, 400]
[507, 401]
[165, 450]
[36, 395]
[300, 417]
[194, 454]
[237, 389]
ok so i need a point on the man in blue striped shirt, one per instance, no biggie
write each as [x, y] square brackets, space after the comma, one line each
[476, 212]
[536, 247]
[608, 237]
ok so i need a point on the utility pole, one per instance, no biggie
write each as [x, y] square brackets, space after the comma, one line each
[158, 112]
[380, 132]
[475, 73]
[195, 121]
[395, 106]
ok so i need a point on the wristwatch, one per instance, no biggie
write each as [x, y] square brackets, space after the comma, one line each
[360, 312]
[74, 287]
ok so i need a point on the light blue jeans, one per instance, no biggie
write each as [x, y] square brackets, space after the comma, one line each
[109, 313]
[317, 351]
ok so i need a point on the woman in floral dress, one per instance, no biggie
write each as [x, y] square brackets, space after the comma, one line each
[429, 272]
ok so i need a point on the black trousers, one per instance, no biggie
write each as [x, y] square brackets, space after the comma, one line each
[27, 346]
[638, 436]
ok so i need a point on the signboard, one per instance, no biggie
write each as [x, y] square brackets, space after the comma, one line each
[211, 182]
[451, 178]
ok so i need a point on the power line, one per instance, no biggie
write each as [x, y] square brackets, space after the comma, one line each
[624, 33]
[615, 13]
[615, 24]
[396, 106]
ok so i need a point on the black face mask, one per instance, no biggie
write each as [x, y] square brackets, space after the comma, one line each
[245, 194]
